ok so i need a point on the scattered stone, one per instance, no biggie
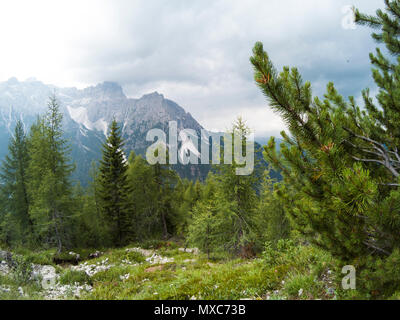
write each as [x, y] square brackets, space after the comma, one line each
[189, 261]
[330, 291]
[190, 250]
[4, 268]
[96, 254]
[127, 262]
[152, 256]
[21, 291]
[145, 252]
[63, 291]
[157, 259]
[77, 256]
[125, 277]
[92, 269]
[5, 288]
[6, 257]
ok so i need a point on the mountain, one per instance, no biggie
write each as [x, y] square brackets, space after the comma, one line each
[87, 114]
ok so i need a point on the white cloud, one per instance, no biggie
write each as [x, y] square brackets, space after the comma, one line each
[194, 52]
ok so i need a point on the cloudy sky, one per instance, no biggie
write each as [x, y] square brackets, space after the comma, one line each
[195, 52]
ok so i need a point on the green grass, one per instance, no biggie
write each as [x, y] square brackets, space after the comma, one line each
[287, 272]
[9, 290]
[71, 277]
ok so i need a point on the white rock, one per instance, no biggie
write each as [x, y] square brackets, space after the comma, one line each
[190, 250]
[4, 268]
[47, 274]
[189, 261]
[300, 292]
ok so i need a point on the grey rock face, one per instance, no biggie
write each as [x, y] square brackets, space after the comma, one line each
[6, 257]
[87, 115]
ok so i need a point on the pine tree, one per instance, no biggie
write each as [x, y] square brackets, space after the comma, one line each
[13, 182]
[49, 170]
[340, 163]
[114, 187]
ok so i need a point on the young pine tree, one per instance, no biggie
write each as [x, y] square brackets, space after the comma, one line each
[114, 189]
[240, 192]
[228, 205]
[211, 222]
[340, 163]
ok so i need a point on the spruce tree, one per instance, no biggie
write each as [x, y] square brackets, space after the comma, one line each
[13, 183]
[114, 187]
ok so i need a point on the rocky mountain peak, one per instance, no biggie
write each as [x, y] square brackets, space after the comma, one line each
[87, 115]
[153, 95]
[107, 90]
[13, 80]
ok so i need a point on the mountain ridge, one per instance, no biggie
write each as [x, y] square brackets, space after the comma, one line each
[87, 115]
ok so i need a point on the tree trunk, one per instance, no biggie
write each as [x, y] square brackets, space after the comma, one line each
[164, 223]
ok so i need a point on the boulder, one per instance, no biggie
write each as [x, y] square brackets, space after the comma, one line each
[7, 257]
[46, 274]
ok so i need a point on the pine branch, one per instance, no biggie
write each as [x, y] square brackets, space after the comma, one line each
[385, 158]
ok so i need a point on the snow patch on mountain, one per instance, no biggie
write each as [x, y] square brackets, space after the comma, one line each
[80, 116]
